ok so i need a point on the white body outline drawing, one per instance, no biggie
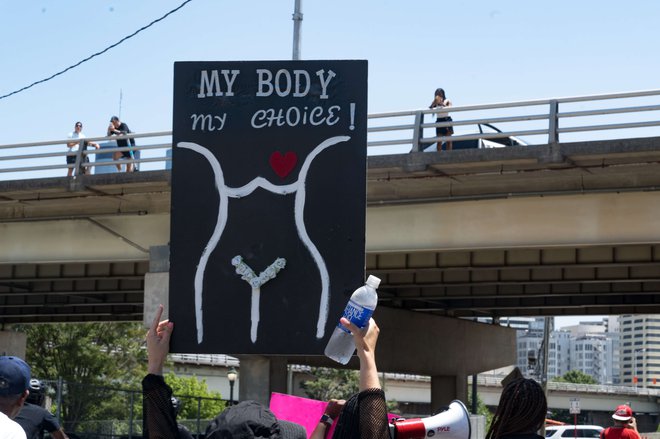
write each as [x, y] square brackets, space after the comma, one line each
[225, 192]
[256, 282]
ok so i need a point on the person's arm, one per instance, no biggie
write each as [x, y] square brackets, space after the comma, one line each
[330, 414]
[58, 434]
[371, 399]
[158, 343]
[128, 131]
[50, 424]
[447, 103]
[365, 345]
[159, 419]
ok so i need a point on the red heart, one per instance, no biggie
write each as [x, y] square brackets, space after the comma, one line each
[283, 164]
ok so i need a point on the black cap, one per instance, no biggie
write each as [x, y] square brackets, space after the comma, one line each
[248, 420]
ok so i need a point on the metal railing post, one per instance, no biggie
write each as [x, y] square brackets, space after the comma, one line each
[79, 158]
[418, 132]
[553, 120]
[199, 415]
[58, 411]
[130, 419]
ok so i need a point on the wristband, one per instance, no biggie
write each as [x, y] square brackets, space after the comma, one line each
[326, 419]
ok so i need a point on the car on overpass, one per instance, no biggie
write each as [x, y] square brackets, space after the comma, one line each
[485, 142]
[568, 431]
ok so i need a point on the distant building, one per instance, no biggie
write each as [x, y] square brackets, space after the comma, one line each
[559, 355]
[589, 347]
[640, 350]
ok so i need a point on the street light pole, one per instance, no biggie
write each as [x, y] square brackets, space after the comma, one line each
[231, 376]
[297, 24]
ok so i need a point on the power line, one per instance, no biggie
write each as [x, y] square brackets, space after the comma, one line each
[97, 53]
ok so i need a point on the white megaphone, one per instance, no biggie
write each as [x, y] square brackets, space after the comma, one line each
[452, 423]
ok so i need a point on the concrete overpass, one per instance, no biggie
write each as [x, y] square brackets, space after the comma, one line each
[551, 229]
[448, 234]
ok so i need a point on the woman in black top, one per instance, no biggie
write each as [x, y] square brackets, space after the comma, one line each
[441, 101]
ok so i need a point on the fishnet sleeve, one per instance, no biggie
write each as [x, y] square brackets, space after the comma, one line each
[373, 414]
[159, 420]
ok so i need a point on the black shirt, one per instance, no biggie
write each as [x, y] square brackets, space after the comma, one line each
[35, 419]
[124, 130]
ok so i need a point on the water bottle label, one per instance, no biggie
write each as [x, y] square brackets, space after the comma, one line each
[357, 314]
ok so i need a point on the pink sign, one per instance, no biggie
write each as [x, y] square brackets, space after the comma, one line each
[303, 411]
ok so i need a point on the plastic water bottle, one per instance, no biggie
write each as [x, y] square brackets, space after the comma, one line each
[359, 309]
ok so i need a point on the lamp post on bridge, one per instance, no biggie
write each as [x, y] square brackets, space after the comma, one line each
[231, 376]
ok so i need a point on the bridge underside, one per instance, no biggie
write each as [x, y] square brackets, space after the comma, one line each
[550, 230]
[596, 280]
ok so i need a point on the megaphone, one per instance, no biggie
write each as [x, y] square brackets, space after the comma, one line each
[452, 423]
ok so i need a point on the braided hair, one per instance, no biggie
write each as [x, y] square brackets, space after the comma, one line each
[522, 409]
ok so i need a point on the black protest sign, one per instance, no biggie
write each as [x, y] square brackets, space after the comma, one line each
[268, 203]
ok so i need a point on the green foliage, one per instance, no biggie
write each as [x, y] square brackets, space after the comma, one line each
[88, 357]
[188, 390]
[482, 409]
[331, 383]
[392, 406]
[577, 377]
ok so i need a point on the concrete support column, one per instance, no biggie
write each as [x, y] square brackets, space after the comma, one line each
[446, 388]
[157, 283]
[260, 375]
[13, 343]
[278, 375]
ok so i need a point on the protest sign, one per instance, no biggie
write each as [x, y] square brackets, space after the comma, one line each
[268, 203]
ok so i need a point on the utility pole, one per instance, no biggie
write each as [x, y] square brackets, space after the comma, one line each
[297, 24]
[544, 365]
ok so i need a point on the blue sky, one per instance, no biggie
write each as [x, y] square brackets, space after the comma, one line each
[478, 51]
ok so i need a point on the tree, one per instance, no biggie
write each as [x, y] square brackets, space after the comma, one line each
[90, 358]
[331, 383]
[482, 409]
[577, 377]
[193, 395]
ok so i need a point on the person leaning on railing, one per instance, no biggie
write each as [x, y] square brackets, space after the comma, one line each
[119, 128]
[76, 135]
[441, 101]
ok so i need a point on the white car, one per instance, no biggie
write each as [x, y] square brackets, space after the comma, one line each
[568, 431]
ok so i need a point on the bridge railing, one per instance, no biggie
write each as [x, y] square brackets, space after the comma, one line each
[496, 381]
[542, 121]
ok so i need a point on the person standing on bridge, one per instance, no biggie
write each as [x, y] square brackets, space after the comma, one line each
[625, 425]
[119, 128]
[75, 136]
[441, 101]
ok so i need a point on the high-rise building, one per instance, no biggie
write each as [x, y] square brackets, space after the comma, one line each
[559, 355]
[589, 347]
[640, 350]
